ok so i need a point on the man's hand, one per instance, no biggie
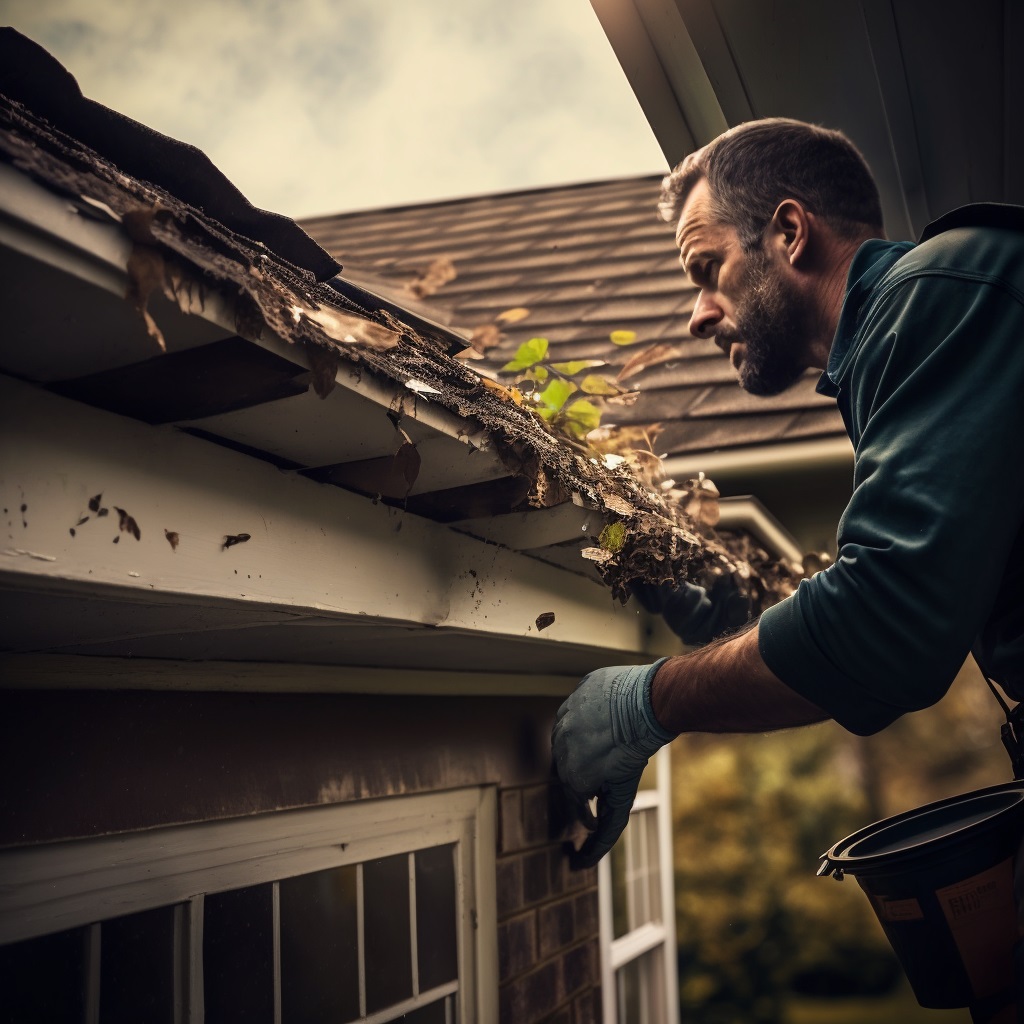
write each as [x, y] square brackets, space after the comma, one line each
[604, 734]
[694, 614]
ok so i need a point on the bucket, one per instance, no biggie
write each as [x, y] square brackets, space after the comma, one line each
[940, 880]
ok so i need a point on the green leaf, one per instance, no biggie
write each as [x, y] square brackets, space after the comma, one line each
[613, 536]
[582, 416]
[555, 395]
[530, 352]
[595, 384]
[540, 373]
[576, 366]
[623, 337]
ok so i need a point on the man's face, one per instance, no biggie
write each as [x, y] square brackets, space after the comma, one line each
[747, 302]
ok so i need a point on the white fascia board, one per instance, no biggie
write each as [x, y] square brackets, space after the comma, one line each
[53, 230]
[314, 549]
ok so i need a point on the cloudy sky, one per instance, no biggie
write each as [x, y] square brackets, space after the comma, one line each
[320, 106]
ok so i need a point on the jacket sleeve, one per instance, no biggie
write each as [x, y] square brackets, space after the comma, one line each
[937, 410]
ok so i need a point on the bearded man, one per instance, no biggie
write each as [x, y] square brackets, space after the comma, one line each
[779, 225]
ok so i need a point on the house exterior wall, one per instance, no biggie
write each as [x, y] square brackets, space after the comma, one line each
[88, 763]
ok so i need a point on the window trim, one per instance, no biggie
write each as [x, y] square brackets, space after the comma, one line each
[64, 885]
[616, 953]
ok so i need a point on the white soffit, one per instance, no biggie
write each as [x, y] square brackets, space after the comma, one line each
[932, 91]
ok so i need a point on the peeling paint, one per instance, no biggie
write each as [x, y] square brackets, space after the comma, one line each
[15, 552]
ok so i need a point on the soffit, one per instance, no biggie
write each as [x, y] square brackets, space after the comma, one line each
[932, 91]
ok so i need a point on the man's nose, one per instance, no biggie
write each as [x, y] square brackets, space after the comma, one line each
[705, 317]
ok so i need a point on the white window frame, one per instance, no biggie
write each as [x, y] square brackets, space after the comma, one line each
[54, 887]
[616, 953]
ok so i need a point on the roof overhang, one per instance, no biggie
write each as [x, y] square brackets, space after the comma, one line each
[932, 93]
[316, 574]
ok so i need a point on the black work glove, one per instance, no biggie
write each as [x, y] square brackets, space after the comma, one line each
[694, 614]
[603, 735]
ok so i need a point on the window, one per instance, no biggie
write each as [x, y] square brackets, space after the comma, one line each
[637, 909]
[378, 911]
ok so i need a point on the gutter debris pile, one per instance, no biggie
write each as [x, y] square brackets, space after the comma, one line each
[656, 531]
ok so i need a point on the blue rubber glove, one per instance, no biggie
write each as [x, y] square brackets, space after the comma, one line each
[694, 614]
[603, 736]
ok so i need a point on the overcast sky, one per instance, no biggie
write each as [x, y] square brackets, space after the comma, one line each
[321, 106]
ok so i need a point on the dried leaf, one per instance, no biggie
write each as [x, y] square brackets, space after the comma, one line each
[172, 539]
[623, 337]
[418, 387]
[145, 272]
[647, 357]
[530, 352]
[485, 337]
[596, 555]
[138, 223]
[347, 328]
[186, 293]
[126, 524]
[512, 316]
[544, 620]
[595, 384]
[407, 462]
[94, 503]
[614, 503]
[436, 276]
[324, 363]
[234, 538]
[509, 394]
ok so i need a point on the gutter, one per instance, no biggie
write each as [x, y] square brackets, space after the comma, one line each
[800, 456]
[747, 513]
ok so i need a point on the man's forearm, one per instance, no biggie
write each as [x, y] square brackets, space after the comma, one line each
[727, 687]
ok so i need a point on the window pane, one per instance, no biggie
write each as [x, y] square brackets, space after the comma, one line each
[636, 876]
[43, 980]
[432, 1014]
[319, 947]
[388, 941]
[238, 955]
[435, 916]
[640, 989]
[137, 968]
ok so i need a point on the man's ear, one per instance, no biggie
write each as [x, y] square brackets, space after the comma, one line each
[790, 230]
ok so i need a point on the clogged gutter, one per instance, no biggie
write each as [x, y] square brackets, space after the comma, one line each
[185, 254]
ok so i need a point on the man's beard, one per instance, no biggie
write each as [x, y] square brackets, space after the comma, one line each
[774, 324]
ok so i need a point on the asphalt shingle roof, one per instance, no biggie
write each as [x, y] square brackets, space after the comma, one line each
[585, 260]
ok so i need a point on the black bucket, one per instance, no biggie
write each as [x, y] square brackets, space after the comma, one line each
[940, 880]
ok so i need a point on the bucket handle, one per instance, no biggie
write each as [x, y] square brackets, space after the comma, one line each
[826, 867]
[1011, 731]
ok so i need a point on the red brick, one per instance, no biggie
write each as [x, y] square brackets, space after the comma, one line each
[510, 886]
[528, 998]
[581, 967]
[536, 876]
[587, 1008]
[535, 815]
[511, 820]
[556, 927]
[585, 914]
[517, 945]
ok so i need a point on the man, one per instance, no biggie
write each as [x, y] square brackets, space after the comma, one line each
[779, 225]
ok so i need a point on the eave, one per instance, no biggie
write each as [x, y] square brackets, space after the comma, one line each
[310, 584]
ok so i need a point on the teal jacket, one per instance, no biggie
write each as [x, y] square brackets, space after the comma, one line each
[927, 367]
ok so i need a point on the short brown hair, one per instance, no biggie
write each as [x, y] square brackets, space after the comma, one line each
[753, 167]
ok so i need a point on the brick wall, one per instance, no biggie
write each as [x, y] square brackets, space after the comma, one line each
[549, 964]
